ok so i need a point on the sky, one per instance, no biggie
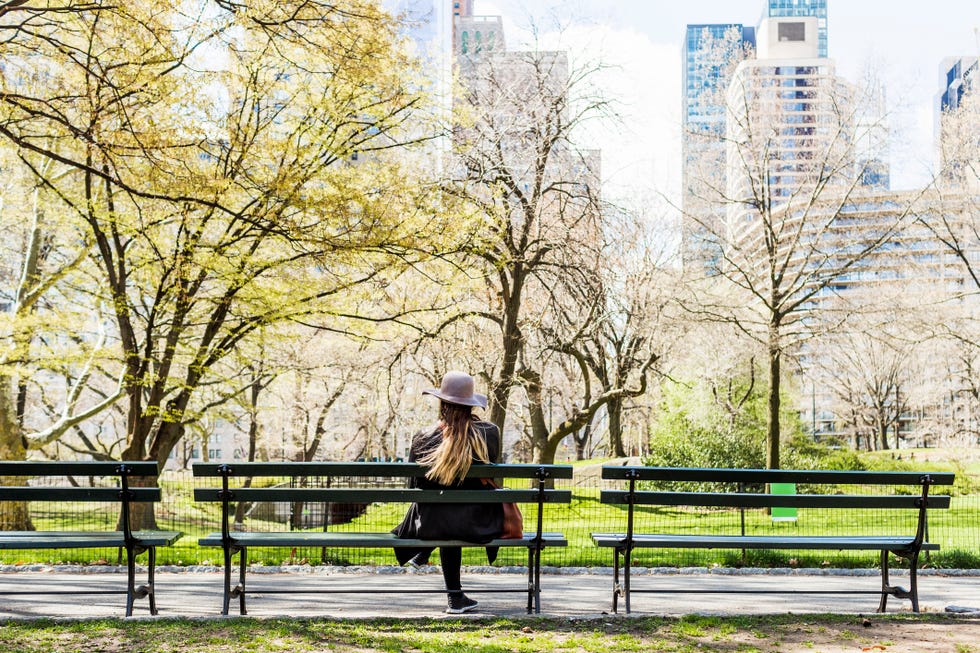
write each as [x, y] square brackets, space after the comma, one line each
[903, 40]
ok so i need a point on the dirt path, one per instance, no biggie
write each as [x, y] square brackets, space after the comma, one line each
[862, 636]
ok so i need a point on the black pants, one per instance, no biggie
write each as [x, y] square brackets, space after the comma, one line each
[451, 558]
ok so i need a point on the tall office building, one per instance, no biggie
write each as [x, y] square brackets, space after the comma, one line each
[956, 124]
[472, 33]
[957, 75]
[803, 8]
[710, 51]
[783, 117]
[513, 92]
[462, 7]
[707, 51]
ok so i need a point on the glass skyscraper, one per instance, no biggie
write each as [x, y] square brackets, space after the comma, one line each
[958, 73]
[708, 51]
[702, 73]
[817, 8]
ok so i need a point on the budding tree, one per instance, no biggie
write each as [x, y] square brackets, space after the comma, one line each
[799, 213]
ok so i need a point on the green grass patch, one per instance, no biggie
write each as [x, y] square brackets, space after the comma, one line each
[499, 635]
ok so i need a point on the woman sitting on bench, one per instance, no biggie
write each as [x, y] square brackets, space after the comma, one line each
[448, 449]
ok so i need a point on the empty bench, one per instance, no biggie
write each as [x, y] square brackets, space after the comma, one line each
[746, 489]
[368, 483]
[54, 484]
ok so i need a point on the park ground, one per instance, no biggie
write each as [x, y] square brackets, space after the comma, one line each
[777, 633]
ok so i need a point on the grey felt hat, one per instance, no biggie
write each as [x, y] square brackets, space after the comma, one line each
[457, 388]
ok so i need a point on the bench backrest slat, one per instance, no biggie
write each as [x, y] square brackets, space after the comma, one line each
[698, 475]
[389, 495]
[64, 493]
[77, 468]
[359, 469]
[753, 500]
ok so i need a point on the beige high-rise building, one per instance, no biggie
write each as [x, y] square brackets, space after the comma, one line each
[786, 130]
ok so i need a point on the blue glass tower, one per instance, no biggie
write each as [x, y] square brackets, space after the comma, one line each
[708, 51]
[817, 8]
[701, 76]
[958, 73]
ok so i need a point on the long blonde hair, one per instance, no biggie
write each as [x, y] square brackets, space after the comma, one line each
[449, 462]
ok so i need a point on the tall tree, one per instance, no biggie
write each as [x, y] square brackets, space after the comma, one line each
[533, 194]
[625, 333]
[798, 213]
[53, 360]
[868, 372]
[213, 157]
[950, 213]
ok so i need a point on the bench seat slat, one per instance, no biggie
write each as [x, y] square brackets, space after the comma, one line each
[389, 495]
[754, 500]
[366, 540]
[712, 475]
[82, 539]
[389, 469]
[856, 543]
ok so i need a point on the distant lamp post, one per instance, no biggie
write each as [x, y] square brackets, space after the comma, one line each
[813, 409]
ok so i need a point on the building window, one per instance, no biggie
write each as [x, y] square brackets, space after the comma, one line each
[792, 31]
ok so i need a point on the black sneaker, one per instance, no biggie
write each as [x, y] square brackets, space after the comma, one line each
[418, 561]
[459, 603]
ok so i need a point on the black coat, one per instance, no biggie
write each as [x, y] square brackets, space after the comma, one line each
[470, 522]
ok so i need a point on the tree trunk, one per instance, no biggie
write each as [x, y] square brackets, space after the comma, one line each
[544, 450]
[582, 442]
[772, 418]
[142, 515]
[512, 341]
[883, 434]
[14, 515]
[615, 411]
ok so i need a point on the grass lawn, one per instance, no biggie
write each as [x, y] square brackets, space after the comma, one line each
[784, 633]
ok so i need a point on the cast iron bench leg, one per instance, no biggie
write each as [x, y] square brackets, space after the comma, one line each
[537, 580]
[627, 554]
[227, 588]
[913, 581]
[151, 580]
[242, 563]
[885, 584]
[130, 579]
[530, 579]
[616, 587]
[912, 594]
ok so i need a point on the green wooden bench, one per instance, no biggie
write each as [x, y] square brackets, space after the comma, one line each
[59, 488]
[365, 483]
[831, 483]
